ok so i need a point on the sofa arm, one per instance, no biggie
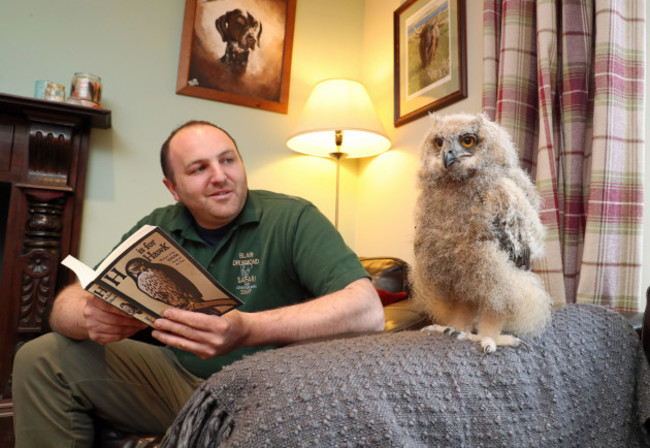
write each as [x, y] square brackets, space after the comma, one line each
[404, 315]
[391, 274]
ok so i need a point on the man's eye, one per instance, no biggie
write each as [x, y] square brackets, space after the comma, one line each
[438, 143]
[468, 141]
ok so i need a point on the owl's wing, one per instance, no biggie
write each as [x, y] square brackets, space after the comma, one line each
[518, 251]
[516, 224]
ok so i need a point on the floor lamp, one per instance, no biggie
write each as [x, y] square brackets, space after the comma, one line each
[339, 121]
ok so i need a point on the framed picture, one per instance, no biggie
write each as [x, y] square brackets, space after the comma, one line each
[430, 57]
[238, 52]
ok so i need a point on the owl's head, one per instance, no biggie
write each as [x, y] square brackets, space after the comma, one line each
[462, 145]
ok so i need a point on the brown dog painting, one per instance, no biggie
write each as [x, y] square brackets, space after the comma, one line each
[241, 33]
[237, 49]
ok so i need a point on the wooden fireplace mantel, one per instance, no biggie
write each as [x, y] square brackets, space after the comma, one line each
[43, 159]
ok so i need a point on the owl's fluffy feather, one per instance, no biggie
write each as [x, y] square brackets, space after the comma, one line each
[476, 215]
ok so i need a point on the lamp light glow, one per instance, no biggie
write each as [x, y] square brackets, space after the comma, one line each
[339, 121]
[339, 105]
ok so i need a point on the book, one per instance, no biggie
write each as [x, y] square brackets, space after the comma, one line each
[150, 272]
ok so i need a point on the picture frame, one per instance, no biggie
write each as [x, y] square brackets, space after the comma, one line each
[238, 52]
[430, 57]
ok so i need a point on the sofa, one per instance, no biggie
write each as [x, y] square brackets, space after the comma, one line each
[412, 388]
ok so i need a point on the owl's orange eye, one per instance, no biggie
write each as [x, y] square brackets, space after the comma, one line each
[438, 143]
[468, 141]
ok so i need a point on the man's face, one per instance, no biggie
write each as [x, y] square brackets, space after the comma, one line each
[209, 176]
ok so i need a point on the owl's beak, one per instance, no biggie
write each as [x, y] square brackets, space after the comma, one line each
[449, 157]
[454, 153]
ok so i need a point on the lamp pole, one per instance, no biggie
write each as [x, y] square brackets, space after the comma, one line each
[338, 155]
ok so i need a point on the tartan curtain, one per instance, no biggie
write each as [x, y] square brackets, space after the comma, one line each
[567, 79]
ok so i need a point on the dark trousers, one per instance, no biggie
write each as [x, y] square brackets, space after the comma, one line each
[60, 384]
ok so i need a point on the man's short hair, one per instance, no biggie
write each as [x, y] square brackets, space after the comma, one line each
[164, 150]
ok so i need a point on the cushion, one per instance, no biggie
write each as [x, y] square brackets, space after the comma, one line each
[390, 297]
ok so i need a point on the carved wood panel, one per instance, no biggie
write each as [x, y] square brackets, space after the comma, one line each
[6, 143]
[39, 259]
[50, 154]
[43, 156]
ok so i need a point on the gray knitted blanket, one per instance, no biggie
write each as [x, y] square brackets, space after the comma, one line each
[584, 382]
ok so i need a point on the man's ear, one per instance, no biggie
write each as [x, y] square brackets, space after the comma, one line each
[171, 187]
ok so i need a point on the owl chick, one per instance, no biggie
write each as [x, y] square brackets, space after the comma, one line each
[477, 224]
[163, 283]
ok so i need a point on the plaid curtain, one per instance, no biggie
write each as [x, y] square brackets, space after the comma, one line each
[567, 79]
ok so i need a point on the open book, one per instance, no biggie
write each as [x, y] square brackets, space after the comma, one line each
[150, 272]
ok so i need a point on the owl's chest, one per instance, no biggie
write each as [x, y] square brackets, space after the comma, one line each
[469, 204]
[465, 212]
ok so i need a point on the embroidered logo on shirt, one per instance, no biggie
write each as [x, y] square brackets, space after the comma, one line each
[246, 280]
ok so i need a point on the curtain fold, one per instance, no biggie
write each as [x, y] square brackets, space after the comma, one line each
[567, 79]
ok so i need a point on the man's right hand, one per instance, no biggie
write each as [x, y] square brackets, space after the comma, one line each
[78, 314]
[105, 323]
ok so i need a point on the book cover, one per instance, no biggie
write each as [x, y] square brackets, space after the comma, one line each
[150, 272]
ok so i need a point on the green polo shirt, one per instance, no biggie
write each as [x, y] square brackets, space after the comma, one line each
[280, 250]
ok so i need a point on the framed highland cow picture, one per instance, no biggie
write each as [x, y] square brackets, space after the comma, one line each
[238, 52]
[430, 57]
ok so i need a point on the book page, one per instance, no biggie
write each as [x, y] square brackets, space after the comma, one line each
[84, 273]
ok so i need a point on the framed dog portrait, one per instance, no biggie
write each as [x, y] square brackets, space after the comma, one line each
[238, 52]
[430, 57]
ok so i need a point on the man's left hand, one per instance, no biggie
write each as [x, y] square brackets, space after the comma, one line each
[204, 335]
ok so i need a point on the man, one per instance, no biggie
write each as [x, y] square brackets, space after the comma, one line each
[301, 282]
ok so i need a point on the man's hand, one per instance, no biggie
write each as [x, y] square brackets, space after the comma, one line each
[105, 323]
[78, 314]
[204, 335]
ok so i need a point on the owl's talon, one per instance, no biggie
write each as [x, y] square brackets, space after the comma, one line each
[450, 331]
[521, 342]
[489, 345]
[436, 327]
[509, 340]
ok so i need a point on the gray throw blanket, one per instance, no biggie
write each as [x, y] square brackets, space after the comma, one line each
[584, 382]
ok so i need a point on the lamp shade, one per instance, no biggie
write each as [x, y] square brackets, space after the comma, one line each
[339, 105]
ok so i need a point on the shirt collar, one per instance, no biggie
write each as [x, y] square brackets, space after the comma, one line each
[184, 222]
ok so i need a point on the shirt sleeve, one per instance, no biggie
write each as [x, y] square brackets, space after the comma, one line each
[324, 262]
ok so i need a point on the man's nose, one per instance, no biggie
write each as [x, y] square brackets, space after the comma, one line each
[217, 173]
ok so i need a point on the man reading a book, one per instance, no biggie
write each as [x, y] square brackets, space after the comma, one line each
[294, 274]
